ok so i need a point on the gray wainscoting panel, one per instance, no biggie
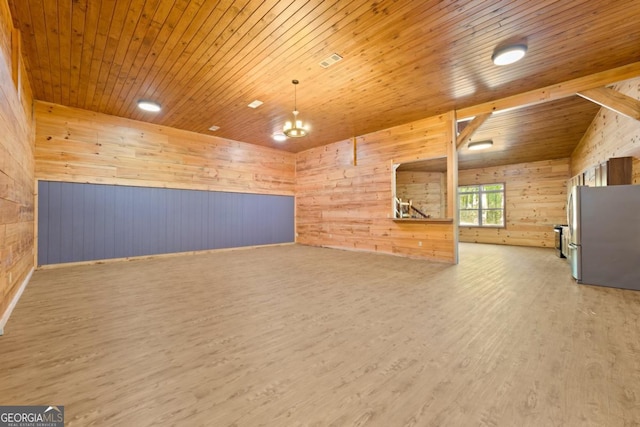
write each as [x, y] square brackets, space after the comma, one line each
[84, 222]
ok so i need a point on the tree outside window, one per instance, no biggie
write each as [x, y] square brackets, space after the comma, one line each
[481, 205]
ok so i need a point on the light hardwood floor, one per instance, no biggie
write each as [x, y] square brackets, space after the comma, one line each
[303, 336]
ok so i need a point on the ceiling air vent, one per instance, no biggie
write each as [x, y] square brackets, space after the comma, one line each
[330, 60]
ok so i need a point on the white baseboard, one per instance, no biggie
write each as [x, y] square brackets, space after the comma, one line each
[14, 302]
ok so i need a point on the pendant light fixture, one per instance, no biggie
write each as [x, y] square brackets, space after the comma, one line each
[295, 128]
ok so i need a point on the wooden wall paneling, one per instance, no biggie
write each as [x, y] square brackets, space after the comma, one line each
[16, 170]
[535, 196]
[451, 130]
[346, 206]
[76, 145]
[35, 81]
[610, 135]
[426, 190]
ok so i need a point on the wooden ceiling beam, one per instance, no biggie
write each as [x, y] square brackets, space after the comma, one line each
[613, 100]
[471, 128]
[553, 92]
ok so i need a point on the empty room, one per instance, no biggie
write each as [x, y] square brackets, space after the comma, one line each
[291, 213]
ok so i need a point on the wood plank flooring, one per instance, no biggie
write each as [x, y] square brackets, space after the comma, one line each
[305, 336]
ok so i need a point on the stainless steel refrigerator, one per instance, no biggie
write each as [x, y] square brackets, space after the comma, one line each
[604, 235]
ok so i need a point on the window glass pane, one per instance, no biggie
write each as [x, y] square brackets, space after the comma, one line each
[492, 201]
[493, 218]
[469, 189]
[469, 201]
[469, 217]
[490, 187]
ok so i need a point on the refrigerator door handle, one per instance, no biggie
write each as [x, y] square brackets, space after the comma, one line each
[570, 215]
[569, 209]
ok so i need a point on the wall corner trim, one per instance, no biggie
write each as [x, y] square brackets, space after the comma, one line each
[14, 302]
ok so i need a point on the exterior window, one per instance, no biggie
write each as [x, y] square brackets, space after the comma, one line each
[481, 205]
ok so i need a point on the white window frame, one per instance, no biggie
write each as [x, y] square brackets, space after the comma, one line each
[480, 209]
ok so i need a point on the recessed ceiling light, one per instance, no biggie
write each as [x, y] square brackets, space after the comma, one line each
[255, 104]
[279, 137]
[479, 145]
[214, 128]
[151, 106]
[509, 54]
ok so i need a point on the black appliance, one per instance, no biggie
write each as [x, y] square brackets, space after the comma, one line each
[558, 239]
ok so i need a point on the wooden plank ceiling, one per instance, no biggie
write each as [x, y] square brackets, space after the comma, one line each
[542, 132]
[204, 61]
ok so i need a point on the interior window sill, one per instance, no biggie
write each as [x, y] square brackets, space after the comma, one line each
[483, 226]
[423, 220]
